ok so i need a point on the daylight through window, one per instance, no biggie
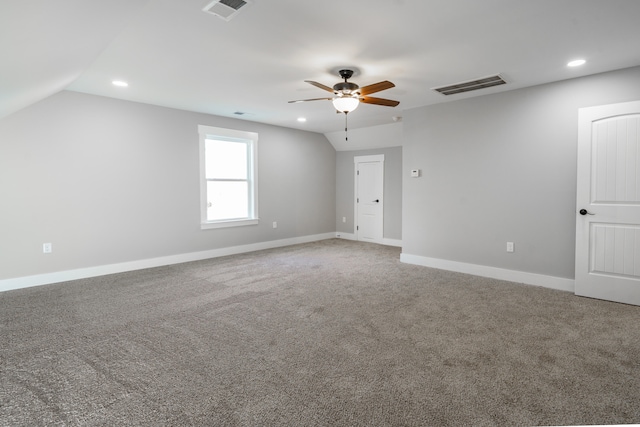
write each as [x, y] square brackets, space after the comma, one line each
[228, 177]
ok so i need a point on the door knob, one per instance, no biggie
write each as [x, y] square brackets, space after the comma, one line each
[377, 200]
[585, 212]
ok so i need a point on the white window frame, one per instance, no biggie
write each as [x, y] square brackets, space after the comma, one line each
[251, 139]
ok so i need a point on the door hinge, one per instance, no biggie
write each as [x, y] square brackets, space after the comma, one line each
[357, 228]
[357, 200]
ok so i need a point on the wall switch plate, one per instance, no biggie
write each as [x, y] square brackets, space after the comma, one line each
[275, 224]
[47, 248]
[415, 173]
[510, 247]
[344, 219]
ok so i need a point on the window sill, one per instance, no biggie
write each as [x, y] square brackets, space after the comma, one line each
[225, 224]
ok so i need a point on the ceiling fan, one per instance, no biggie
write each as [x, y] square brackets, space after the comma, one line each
[348, 95]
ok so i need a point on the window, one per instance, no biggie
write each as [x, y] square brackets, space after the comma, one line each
[228, 177]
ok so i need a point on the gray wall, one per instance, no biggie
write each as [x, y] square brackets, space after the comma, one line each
[392, 190]
[109, 181]
[501, 168]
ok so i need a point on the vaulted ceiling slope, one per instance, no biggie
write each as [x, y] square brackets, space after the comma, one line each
[173, 54]
[46, 45]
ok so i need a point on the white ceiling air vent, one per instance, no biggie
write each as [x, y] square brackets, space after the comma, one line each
[225, 9]
[471, 85]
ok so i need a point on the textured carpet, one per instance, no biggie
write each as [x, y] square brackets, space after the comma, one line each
[331, 333]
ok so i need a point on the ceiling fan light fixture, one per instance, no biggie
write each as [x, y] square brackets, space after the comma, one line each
[345, 104]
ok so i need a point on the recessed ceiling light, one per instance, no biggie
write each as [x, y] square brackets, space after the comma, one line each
[576, 63]
[120, 83]
[302, 119]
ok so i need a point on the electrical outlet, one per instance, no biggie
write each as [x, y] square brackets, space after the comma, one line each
[275, 224]
[47, 248]
[510, 247]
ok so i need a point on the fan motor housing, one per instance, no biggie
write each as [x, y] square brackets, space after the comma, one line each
[345, 87]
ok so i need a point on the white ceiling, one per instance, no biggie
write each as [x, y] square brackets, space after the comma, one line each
[173, 54]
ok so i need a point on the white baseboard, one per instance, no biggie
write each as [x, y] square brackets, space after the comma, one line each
[346, 236]
[101, 270]
[391, 242]
[492, 272]
[383, 241]
[478, 270]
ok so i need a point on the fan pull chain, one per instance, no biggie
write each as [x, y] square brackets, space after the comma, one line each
[346, 134]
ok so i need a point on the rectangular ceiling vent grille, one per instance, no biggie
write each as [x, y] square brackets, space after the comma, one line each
[471, 85]
[225, 9]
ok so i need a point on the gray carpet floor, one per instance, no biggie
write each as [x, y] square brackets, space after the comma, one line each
[331, 333]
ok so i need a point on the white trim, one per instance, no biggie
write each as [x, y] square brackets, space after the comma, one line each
[552, 282]
[225, 132]
[385, 241]
[367, 159]
[249, 138]
[229, 223]
[101, 270]
[374, 158]
[346, 236]
[391, 242]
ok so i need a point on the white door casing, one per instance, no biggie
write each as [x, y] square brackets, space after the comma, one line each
[608, 203]
[369, 197]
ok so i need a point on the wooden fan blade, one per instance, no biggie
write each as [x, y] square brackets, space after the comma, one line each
[320, 85]
[379, 101]
[376, 87]
[313, 99]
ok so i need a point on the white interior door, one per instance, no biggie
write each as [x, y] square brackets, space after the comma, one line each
[608, 203]
[369, 204]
